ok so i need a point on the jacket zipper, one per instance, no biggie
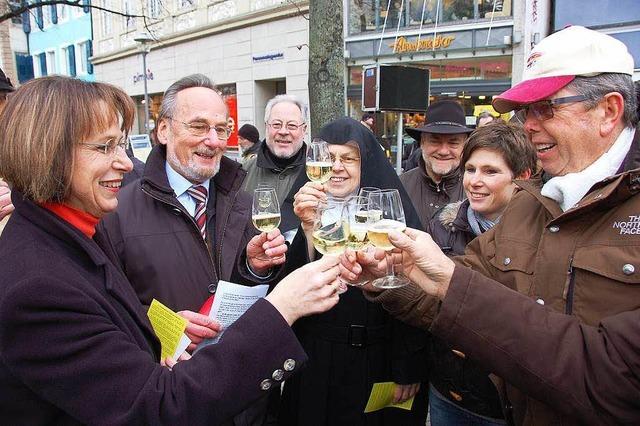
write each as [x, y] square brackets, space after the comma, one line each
[571, 283]
[192, 220]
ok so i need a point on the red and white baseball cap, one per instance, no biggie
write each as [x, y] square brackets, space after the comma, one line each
[559, 58]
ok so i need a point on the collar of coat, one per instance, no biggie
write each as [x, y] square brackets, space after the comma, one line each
[229, 178]
[266, 160]
[608, 192]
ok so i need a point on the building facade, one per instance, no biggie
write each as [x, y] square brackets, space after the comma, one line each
[252, 49]
[14, 53]
[618, 18]
[474, 49]
[60, 41]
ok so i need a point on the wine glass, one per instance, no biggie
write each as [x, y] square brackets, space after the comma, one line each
[357, 210]
[331, 229]
[366, 190]
[265, 212]
[385, 213]
[319, 166]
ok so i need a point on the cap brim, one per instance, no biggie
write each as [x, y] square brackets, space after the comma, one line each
[441, 129]
[530, 91]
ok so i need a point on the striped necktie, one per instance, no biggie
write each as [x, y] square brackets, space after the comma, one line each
[199, 194]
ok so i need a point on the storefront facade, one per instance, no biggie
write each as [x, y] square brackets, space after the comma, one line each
[471, 47]
[252, 51]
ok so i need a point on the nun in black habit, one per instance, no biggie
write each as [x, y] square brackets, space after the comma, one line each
[355, 344]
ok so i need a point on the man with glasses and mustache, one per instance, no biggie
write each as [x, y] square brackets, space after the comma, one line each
[549, 298]
[437, 181]
[186, 224]
[282, 157]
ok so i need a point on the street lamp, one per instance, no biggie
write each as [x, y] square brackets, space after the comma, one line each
[144, 40]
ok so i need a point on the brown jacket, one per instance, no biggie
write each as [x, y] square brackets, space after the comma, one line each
[427, 196]
[575, 354]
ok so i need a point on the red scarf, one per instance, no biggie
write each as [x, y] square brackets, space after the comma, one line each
[84, 221]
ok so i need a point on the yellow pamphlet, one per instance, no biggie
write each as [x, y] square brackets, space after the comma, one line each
[168, 326]
[382, 396]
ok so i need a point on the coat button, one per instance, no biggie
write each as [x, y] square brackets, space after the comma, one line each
[289, 365]
[628, 269]
[265, 385]
[455, 396]
[540, 301]
[506, 261]
[554, 228]
[176, 211]
[212, 287]
[460, 354]
[278, 375]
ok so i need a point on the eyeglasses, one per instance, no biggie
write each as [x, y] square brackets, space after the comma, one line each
[346, 161]
[292, 127]
[109, 148]
[199, 128]
[543, 110]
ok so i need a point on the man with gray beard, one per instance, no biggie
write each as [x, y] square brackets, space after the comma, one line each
[186, 224]
[282, 156]
[437, 181]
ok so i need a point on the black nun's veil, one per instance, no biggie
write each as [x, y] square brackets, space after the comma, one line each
[375, 168]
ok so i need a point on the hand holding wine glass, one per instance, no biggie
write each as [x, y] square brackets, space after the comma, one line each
[265, 214]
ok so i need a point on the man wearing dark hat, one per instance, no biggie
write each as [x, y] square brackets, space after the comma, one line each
[248, 141]
[5, 193]
[437, 181]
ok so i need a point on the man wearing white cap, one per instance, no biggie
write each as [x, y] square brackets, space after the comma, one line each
[549, 299]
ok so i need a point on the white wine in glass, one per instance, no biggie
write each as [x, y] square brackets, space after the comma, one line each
[386, 214]
[331, 230]
[318, 166]
[265, 210]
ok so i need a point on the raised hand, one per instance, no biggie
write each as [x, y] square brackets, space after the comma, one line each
[266, 250]
[422, 261]
[306, 201]
[308, 290]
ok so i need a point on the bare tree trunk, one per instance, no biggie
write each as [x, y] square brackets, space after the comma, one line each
[326, 62]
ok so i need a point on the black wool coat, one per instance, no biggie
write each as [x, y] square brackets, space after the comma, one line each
[76, 346]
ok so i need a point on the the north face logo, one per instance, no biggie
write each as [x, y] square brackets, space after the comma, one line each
[628, 227]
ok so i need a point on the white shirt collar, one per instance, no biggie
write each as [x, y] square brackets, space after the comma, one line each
[179, 183]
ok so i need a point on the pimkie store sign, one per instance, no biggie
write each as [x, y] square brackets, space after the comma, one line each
[401, 44]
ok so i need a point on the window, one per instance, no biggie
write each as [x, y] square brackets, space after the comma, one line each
[81, 58]
[40, 65]
[69, 60]
[46, 16]
[186, 4]
[153, 7]
[63, 12]
[128, 8]
[370, 15]
[106, 18]
[51, 62]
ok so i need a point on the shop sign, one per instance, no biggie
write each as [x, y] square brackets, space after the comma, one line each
[268, 57]
[140, 77]
[429, 43]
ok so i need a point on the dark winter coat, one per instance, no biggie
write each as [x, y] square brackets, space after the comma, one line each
[77, 347]
[457, 377]
[427, 196]
[356, 343]
[159, 246]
